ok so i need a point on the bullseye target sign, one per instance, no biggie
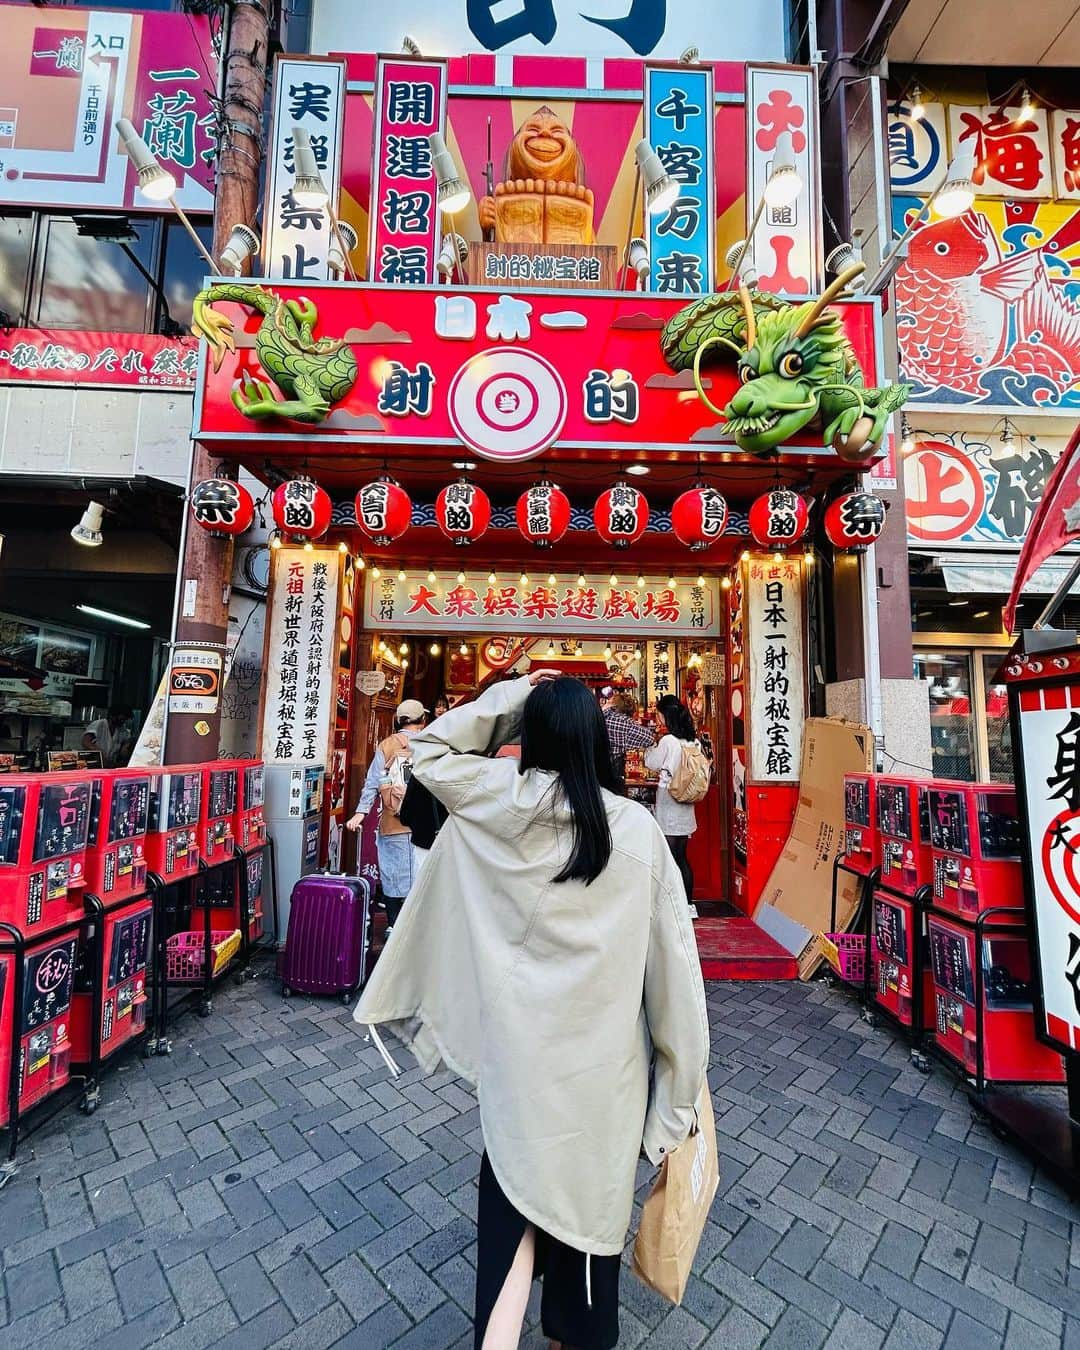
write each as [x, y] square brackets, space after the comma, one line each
[507, 404]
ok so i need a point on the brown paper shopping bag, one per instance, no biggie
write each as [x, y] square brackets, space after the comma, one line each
[674, 1215]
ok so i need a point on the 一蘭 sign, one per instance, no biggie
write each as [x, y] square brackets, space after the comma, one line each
[776, 676]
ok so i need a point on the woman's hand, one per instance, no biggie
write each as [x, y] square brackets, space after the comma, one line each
[542, 676]
[354, 822]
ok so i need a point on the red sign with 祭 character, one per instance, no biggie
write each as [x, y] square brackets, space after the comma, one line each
[124, 360]
[510, 376]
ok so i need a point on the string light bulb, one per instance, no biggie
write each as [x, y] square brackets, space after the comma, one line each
[404, 649]
[434, 649]
[637, 653]
[524, 579]
[431, 577]
[613, 579]
[401, 574]
[808, 557]
[671, 582]
[343, 547]
[461, 578]
[607, 652]
[640, 581]
[275, 541]
[553, 580]
[361, 562]
[701, 579]
[907, 436]
[1027, 105]
[309, 547]
[581, 579]
[777, 557]
[746, 555]
[463, 650]
[404, 663]
[492, 578]
[551, 649]
[376, 572]
[725, 584]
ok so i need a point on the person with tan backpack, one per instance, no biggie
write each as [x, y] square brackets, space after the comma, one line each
[684, 780]
[387, 778]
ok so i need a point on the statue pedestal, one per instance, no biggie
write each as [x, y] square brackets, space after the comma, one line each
[561, 266]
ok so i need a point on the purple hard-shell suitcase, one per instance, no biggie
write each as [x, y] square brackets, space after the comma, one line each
[326, 945]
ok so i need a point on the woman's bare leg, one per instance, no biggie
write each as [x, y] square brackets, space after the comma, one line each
[508, 1315]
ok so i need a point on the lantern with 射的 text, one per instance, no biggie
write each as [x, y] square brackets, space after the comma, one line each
[301, 509]
[621, 515]
[463, 511]
[383, 511]
[778, 518]
[222, 506]
[699, 517]
[855, 521]
[543, 514]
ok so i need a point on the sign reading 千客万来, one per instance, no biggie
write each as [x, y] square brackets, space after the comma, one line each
[309, 94]
[776, 678]
[114, 360]
[680, 118]
[410, 106]
[476, 605]
[69, 75]
[302, 640]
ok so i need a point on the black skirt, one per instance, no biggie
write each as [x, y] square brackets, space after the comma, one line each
[580, 1301]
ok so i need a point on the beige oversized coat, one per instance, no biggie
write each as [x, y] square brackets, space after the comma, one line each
[554, 1000]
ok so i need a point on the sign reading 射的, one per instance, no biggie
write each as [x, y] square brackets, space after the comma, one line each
[782, 102]
[1045, 705]
[571, 604]
[67, 76]
[310, 94]
[410, 105]
[106, 360]
[775, 686]
[679, 124]
[301, 639]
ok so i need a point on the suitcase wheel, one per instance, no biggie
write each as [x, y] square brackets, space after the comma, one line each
[286, 992]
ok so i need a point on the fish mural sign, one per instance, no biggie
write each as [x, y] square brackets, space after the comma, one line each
[987, 303]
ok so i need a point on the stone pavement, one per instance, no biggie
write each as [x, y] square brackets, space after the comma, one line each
[268, 1185]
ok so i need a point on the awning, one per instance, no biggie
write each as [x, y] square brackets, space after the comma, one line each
[992, 573]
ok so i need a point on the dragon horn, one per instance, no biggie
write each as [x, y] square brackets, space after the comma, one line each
[836, 289]
[748, 310]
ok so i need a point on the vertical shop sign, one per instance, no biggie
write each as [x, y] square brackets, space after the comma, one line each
[787, 248]
[1049, 751]
[776, 683]
[308, 93]
[1011, 147]
[410, 104]
[679, 124]
[302, 639]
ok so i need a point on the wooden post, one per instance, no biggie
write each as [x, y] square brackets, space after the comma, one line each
[201, 616]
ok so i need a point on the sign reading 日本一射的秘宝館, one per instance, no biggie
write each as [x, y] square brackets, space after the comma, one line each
[298, 238]
[775, 686]
[679, 125]
[441, 602]
[69, 75]
[593, 29]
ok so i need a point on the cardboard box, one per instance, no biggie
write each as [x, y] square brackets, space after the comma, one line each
[796, 902]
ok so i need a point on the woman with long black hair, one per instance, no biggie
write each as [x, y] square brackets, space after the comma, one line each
[546, 956]
[678, 820]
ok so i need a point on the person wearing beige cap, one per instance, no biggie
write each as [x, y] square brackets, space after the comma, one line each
[387, 779]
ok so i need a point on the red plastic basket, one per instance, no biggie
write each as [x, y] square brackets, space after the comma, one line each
[850, 954]
[185, 952]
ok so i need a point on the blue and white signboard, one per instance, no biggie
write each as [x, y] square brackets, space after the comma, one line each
[680, 121]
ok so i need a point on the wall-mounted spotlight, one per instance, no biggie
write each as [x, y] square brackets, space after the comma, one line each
[243, 244]
[88, 530]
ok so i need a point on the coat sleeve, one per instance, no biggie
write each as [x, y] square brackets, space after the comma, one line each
[453, 755]
[677, 1018]
[370, 789]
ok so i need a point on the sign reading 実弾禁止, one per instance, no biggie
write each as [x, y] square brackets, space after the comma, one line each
[776, 677]
[679, 123]
[302, 642]
[297, 238]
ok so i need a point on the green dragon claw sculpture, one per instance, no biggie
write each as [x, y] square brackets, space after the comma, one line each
[795, 364]
[313, 374]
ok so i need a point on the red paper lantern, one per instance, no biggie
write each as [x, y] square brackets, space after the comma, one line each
[621, 515]
[779, 518]
[543, 514]
[463, 511]
[699, 517]
[383, 511]
[853, 522]
[221, 506]
[301, 509]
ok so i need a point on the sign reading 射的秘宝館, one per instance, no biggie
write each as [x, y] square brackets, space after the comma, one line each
[679, 124]
[572, 605]
[775, 686]
[69, 75]
[302, 639]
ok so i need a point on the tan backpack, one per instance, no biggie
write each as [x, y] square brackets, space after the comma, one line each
[398, 755]
[690, 781]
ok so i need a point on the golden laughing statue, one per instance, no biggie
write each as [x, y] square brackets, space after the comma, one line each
[544, 199]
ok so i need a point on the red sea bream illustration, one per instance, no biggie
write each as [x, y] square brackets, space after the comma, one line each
[959, 300]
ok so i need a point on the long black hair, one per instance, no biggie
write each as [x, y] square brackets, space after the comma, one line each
[563, 730]
[677, 718]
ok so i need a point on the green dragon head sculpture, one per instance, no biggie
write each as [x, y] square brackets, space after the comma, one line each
[795, 365]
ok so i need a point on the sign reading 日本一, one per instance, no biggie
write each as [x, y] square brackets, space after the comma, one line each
[679, 119]
[311, 95]
[299, 677]
[776, 679]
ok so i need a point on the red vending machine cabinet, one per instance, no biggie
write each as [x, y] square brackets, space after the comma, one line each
[897, 935]
[219, 801]
[250, 827]
[44, 1048]
[172, 841]
[860, 823]
[116, 852]
[113, 951]
[975, 838]
[903, 823]
[1006, 1020]
[44, 824]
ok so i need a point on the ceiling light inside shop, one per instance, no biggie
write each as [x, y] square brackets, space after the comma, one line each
[111, 617]
[637, 470]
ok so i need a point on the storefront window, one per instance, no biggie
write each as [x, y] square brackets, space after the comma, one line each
[91, 283]
[952, 725]
[998, 738]
[185, 269]
[16, 248]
